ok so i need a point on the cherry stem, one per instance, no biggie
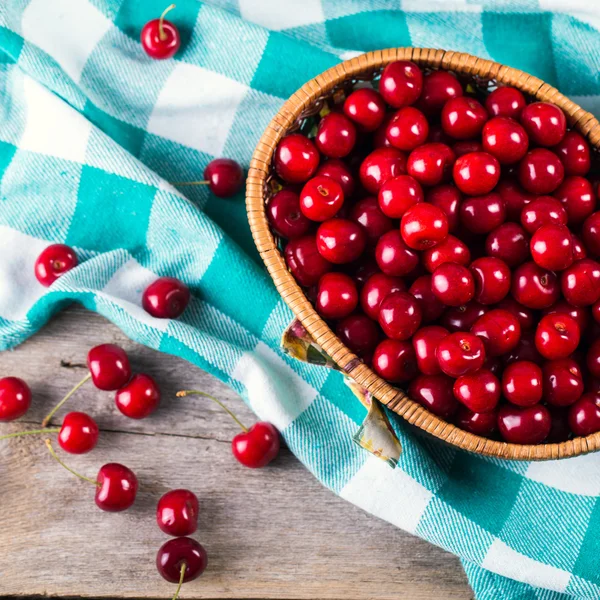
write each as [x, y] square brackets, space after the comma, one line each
[180, 183]
[62, 464]
[57, 407]
[161, 31]
[181, 576]
[184, 393]
[30, 432]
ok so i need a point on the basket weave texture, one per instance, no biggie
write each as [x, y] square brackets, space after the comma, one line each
[303, 102]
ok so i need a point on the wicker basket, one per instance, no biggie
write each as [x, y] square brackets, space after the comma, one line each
[306, 101]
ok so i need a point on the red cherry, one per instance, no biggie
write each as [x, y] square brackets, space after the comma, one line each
[399, 315]
[463, 118]
[448, 198]
[526, 317]
[401, 83]
[117, 488]
[453, 284]
[545, 123]
[78, 433]
[579, 251]
[256, 447]
[425, 343]
[339, 171]
[477, 423]
[462, 318]
[438, 88]
[476, 173]
[492, 280]
[552, 247]
[375, 289]
[336, 135]
[544, 210]
[529, 425]
[399, 194]
[563, 382]
[574, 152]
[407, 129]
[15, 398]
[479, 392]
[321, 198]
[340, 241]
[434, 392]
[522, 383]
[500, 331]
[177, 513]
[305, 262]
[431, 164]
[393, 256]
[580, 283]
[505, 139]
[166, 298]
[160, 38]
[379, 166]
[337, 296]
[395, 361]
[593, 359]
[591, 234]
[285, 217]
[424, 226]
[515, 198]
[379, 138]
[577, 196]
[524, 350]
[178, 554]
[139, 398]
[359, 333]
[109, 367]
[367, 213]
[366, 108]
[535, 287]
[509, 243]
[225, 177]
[431, 307]
[296, 158]
[541, 172]
[54, 261]
[450, 250]
[584, 415]
[579, 314]
[460, 353]
[483, 214]
[505, 102]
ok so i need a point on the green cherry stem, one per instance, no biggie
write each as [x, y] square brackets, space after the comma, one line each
[184, 393]
[62, 464]
[181, 183]
[161, 31]
[57, 407]
[181, 576]
[30, 432]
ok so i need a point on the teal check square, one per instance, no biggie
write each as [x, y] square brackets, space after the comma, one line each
[586, 565]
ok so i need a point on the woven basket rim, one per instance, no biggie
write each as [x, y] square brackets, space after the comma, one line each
[394, 398]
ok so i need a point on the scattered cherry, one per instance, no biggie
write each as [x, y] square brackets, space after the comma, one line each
[181, 560]
[160, 38]
[54, 261]
[139, 398]
[177, 513]
[78, 433]
[225, 177]
[15, 398]
[166, 298]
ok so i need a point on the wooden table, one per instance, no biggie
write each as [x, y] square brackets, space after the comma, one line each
[271, 533]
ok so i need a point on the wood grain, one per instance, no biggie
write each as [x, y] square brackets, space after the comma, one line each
[273, 533]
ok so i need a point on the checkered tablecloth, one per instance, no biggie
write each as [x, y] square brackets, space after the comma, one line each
[91, 130]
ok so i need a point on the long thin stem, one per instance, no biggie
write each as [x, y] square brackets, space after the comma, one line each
[57, 407]
[181, 183]
[161, 31]
[184, 393]
[62, 464]
[181, 576]
[30, 432]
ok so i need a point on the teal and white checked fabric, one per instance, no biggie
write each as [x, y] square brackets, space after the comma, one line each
[91, 131]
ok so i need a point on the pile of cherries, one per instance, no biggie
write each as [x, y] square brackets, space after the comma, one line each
[451, 235]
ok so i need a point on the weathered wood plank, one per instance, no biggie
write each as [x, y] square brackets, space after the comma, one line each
[274, 533]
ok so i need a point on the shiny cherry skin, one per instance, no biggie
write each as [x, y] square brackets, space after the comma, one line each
[460, 353]
[483, 214]
[577, 196]
[340, 241]
[579, 250]
[407, 129]
[257, 447]
[590, 233]
[359, 333]
[296, 158]
[117, 488]
[515, 198]
[584, 415]
[479, 392]
[423, 226]
[366, 212]
[395, 361]
[552, 247]
[505, 139]
[438, 88]
[339, 171]
[431, 164]
[434, 392]
[453, 284]
[484, 424]
[139, 398]
[375, 289]
[379, 139]
[78, 433]
[492, 279]
[476, 173]
[448, 198]
[109, 367]
[563, 382]
[580, 283]
[462, 318]
[463, 118]
[431, 307]
[534, 287]
[530, 425]
[177, 552]
[393, 256]
[177, 513]
[527, 318]
[399, 194]
[401, 83]
[15, 398]
[225, 177]
[450, 250]
[579, 314]
[336, 135]
[499, 330]
[544, 210]
[166, 298]
[337, 296]
[54, 261]
[522, 383]
[321, 198]
[545, 123]
[366, 108]
[425, 343]
[541, 171]
[304, 261]
[509, 243]
[379, 166]
[400, 315]
[593, 359]
[574, 153]
[285, 217]
[505, 102]
[160, 39]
